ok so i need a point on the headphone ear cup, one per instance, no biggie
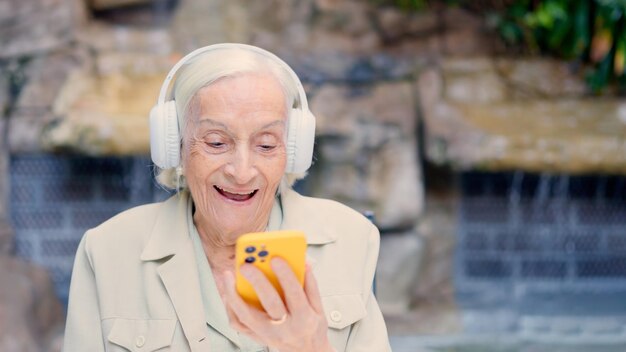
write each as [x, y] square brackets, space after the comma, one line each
[164, 135]
[300, 141]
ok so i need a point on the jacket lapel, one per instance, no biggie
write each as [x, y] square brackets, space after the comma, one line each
[170, 242]
[300, 214]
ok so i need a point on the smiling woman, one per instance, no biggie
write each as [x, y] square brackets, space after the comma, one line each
[234, 136]
[234, 154]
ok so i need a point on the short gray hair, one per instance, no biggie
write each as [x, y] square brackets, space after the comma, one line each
[210, 67]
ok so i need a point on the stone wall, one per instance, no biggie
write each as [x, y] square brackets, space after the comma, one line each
[375, 77]
[526, 114]
[5, 228]
[87, 83]
[33, 34]
[31, 28]
[31, 317]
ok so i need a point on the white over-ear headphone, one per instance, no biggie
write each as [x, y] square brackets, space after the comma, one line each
[165, 136]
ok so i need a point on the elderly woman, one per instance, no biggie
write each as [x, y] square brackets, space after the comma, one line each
[232, 140]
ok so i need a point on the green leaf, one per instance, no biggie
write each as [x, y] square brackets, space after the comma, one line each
[580, 34]
[599, 78]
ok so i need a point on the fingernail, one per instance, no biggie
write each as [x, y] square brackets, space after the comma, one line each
[277, 263]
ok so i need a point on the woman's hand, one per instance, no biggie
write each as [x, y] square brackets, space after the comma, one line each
[298, 324]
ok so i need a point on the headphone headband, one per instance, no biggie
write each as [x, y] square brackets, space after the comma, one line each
[170, 75]
[165, 138]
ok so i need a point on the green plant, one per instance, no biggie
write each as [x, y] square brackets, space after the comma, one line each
[588, 30]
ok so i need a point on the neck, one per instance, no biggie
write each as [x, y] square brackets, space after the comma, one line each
[221, 259]
[219, 247]
[220, 253]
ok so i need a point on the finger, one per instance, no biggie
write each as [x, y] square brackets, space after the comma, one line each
[269, 297]
[247, 319]
[312, 291]
[243, 311]
[294, 295]
[236, 324]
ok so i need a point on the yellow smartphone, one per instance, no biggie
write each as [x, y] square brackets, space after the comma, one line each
[259, 248]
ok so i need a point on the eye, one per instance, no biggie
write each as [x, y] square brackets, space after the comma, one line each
[267, 143]
[267, 147]
[216, 145]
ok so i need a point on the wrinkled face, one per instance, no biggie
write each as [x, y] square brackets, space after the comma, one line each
[234, 154]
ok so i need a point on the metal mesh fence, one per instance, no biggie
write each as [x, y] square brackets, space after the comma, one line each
[55, 199]
[545, 251]
[557, 228]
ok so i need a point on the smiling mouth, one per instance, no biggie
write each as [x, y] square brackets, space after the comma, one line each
[237, 197]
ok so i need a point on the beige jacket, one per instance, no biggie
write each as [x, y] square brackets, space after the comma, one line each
[135, 282]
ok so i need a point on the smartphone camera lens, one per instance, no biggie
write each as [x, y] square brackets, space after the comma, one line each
[250, 260]
[263, 254]
[250, 249]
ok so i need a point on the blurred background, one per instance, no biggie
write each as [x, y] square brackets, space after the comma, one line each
[487, 137]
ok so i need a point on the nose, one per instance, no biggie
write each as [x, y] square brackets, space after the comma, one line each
[241, 168]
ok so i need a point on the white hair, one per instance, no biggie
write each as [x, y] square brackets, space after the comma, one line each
[210, 67]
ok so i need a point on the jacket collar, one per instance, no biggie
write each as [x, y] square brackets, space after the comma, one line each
[170, 231]
[300, 213]
[179, 273]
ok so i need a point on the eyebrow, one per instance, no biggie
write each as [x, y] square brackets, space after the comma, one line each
[214, 123]
[220, 124]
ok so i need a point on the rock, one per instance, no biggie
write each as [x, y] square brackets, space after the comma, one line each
[110, 4]
[396, 25]
[318, 68]
[278, 15]
[391, 23]
[395, 182]
[438, 230]
[466, 34]
[104, 115]
[30, 314]
[4, 92]
[374, 169]
[444, 124]
[367, 155]
[338, 108]
[451, 31]
[397, 271]
[33, 109]
[313, 39]
[347, 17]
[46, 76]
[102, 38]
[475, 121]
[562, 136]
[37, 26]
[115, 62]
[203, 22]
[26, 131]
[484, 80]
[430, 86]
[6, 231]
[297, 30]
[473, 81]
[4, 161]
[541, 79]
